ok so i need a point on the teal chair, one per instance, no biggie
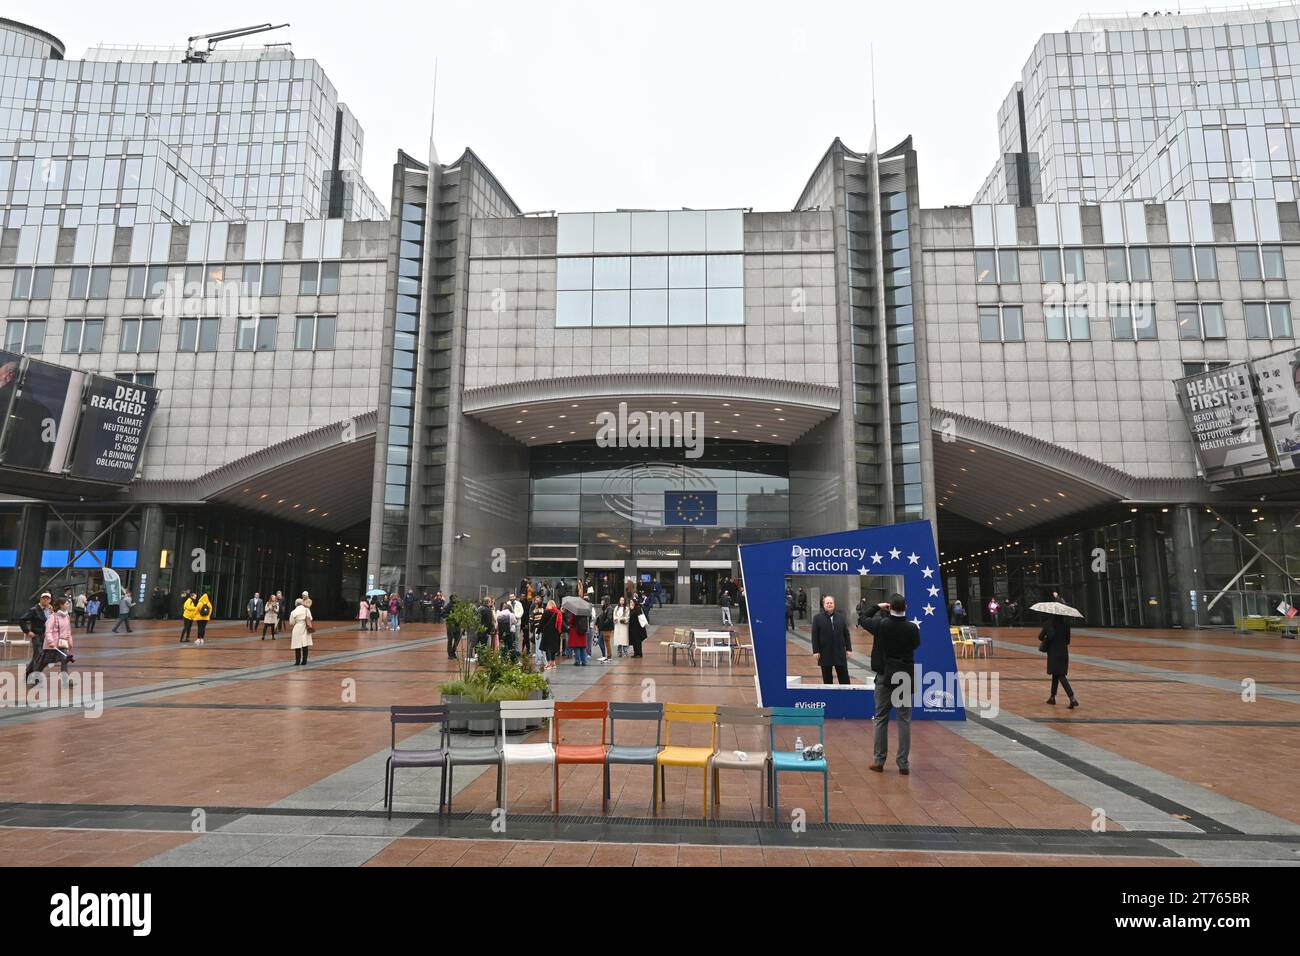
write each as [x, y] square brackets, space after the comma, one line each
[791, 761]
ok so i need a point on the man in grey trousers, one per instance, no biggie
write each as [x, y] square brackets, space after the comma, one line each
[892, 658]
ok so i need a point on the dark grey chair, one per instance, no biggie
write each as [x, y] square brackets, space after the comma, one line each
[432, 714]
[643, 754]
[481, 753]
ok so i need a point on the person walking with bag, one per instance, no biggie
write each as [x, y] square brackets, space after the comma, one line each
[202, 614]
[56, 646]
[622, 618]
[124, 609]
[893, 660]
[638, 628]
[1054, 641]
[300, 622]
[32, 623]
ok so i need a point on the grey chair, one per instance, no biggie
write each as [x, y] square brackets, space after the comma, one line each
[634, 754]
[481, 753]
[432, 714]
[760, 760]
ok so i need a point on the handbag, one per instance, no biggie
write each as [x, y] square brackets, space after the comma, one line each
[1042, 644]
[641, 619]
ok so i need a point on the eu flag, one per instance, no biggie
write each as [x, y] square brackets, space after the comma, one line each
[699, 508]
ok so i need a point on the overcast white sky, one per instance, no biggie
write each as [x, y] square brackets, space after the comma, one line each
[597, 105]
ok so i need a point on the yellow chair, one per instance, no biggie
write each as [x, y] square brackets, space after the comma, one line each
[677, 756]
[960, 642]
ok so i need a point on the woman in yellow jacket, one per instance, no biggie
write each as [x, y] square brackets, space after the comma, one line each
[203, 614]
[189, 611]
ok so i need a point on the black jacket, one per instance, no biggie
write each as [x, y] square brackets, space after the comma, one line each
[830, 638]
[895, 644]
[1056, 635]
[33, 621]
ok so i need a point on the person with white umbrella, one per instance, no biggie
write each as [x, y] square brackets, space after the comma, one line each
[1054, 641]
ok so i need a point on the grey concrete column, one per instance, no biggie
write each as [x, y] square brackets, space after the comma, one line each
[147, 560]
[1187, 567]
[1149, 572]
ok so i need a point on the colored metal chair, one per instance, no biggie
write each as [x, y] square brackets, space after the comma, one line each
[540, 754]
[579, 753]
[679, 756]
[633, 754]
[791, 761]
[754, 760]
[428, 715]
[480, 753]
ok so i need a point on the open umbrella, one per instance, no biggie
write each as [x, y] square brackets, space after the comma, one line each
[374, 591]
[1055, 607]
[576, 605]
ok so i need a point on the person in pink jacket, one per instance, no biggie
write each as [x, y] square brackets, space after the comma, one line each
[57, 648]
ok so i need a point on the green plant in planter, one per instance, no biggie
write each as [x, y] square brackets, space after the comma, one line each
[454, 688]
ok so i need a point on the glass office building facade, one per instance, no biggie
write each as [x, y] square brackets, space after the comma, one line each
[135, 134]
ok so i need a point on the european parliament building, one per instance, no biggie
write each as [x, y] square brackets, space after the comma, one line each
[1084, 378]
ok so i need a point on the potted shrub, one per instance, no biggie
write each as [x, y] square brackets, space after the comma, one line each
[511, 691]
[454, 691]
[481, 692]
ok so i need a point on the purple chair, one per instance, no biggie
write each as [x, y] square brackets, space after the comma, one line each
[432, 714]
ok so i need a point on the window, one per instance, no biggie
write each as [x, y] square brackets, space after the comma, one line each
[1274, 266]
[1199, 368]
[25, 336]
[1268, 320]
[309, 278]
[1134, 321]
[1050, 260]
[271, 273]
[986, 267]
[1204, 321]
[1008, 265]
[1140, 265]
[199, 335]
[1005, 324]
[87, 282]
[1207, 265]
[256, 333]
[1180, 258]
[140, 335]
[1074, 270]
[142, 282]
[83, 335]
[1248, 266]
[32, 283]
[1067, 323]
[137, 378]
[1116, 265]
[649, 290]
[314, 332]
[329, 278]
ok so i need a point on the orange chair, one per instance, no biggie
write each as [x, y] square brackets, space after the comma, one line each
[580, 753]
[676, 756]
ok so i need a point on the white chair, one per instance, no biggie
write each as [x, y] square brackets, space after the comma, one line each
[971, 635]
[713, 644]
[6, 640]
[527, 754]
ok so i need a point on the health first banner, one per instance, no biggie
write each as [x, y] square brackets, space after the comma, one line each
[1219, 406]
[1278, 377]
[111, 433]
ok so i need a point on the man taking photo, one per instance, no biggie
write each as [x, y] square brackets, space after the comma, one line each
[892, 658]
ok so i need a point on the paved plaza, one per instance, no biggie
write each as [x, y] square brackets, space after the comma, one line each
[1181, 754]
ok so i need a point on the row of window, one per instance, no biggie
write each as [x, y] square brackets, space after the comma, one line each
[147, 282]
[1189, 264]
[1130, 322]
[253, 334]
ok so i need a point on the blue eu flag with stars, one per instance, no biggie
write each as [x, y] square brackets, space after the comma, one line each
[691, 508]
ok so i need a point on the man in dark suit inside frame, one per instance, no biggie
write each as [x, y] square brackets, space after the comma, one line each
[831, 644]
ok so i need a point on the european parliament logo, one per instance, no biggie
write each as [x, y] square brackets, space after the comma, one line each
[695, 508]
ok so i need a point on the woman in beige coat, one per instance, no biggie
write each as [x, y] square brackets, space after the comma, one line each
[300, 622]
[622, 615]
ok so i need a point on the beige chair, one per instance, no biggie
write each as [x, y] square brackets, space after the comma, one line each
[758, 759]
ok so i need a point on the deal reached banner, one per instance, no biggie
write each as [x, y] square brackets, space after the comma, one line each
[111, 434]
[1279, 392]
[1220, 410]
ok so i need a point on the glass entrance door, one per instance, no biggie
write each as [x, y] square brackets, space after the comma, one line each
[704, 585]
